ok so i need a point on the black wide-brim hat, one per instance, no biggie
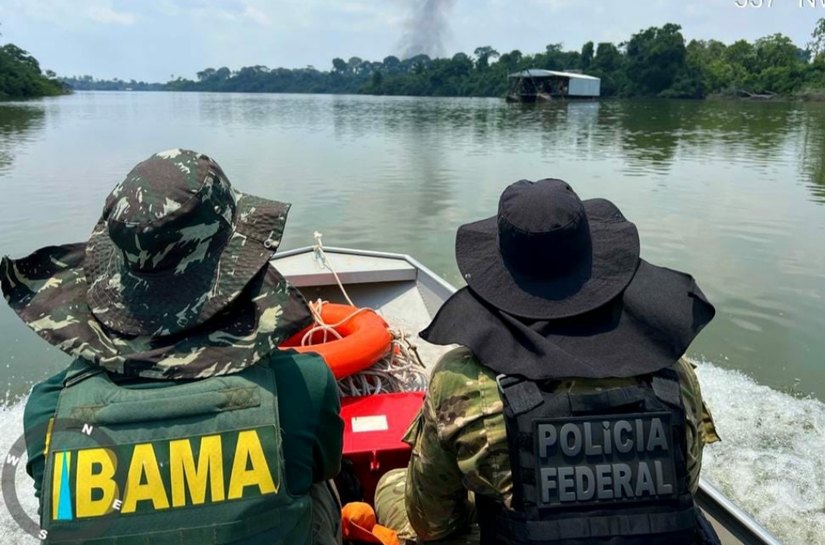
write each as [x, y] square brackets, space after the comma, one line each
[646, 328]
[556, 289]
[547, 254]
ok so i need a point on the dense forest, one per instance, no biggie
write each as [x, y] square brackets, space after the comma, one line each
[653, 62]
[21, 76]
[88, 83]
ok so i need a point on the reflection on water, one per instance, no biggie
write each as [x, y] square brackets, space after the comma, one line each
[729, 191]
[732, 192]
[18, 125]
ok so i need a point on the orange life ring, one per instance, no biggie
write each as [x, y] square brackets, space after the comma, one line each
[366, 339]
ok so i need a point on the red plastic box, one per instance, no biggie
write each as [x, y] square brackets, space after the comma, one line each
[373, 428]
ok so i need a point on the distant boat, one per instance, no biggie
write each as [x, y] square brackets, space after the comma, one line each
[537, 85]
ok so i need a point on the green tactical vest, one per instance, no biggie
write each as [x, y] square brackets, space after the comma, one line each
[193, 463]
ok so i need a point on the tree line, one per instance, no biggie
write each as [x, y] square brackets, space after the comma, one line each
[88, 83]
[654, 62]
[21, 76]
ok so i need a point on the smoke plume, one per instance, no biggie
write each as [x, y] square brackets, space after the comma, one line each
[427, 28]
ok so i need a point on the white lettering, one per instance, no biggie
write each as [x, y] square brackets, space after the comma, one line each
[567, 490]
[662, 488]
[621, 481]
[623, 445]
[590, 449]
[604, 482]
[585, 490]
[12, 460]
[43, 535]
[608, 445]
[640, 433]
[548, 483]
[547, 438]
[657, 437]
[87, 429]
[571, 439]
[645, 482]
[117, 504]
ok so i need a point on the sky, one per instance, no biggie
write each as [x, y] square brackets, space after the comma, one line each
[152, 40]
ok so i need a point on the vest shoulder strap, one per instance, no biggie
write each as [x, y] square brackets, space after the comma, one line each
[78, 371]
[520, 395]
[666, 386]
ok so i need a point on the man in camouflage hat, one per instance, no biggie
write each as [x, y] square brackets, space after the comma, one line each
[179, 420]
[567, 415]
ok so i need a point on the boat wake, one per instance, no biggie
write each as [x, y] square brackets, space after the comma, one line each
[771, 461]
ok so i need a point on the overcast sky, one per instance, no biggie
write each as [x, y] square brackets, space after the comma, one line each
[153, 39]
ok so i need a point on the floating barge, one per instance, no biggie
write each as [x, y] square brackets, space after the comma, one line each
[537, 85]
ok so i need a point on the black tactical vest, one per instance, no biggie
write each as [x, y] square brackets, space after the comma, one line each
[607, 467]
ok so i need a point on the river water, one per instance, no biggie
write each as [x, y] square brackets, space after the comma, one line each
[732, 192]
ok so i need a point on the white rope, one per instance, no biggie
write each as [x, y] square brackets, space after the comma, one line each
[321, 258]
[401, 370]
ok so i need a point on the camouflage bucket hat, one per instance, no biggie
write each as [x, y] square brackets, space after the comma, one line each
[175, 281]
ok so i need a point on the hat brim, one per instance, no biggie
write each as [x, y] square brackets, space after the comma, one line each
[48, 291]
[647, 328]
[615, 256]
[168, 302]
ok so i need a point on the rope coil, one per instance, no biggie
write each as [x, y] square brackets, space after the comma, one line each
[401, 370]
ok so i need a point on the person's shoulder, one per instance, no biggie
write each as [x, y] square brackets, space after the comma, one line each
[688, 380]
[457, 370]
[292, 368]
[305, 363]
[461, 391]
[47, 389]
[458, 360]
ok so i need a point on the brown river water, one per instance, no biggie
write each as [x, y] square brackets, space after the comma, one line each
[732, 192]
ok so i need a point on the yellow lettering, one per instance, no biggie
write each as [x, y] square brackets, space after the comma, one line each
[184, 474]
[88, 480]
[144, 463]
[249, 450]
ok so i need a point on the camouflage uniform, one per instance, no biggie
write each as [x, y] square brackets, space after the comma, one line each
[175, 284]
[176, 247]
[460, 449]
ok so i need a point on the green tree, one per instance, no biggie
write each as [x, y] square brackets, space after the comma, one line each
[391, 64]
[205, 74]
[483, 55]
[587, 55]
[21, 77]
[817, 44]
[654, 58]
[353, 64]
[339, 66]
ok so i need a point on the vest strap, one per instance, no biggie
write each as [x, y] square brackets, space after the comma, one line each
[585, 527]
[80, 371]
[604, 401]
[521, 395]
[665, 385]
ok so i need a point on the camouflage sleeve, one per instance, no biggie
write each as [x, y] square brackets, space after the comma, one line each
[437, 503]
[459, 444]
[700, 428]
